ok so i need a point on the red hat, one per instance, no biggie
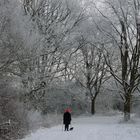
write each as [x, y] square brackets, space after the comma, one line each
[68, 110]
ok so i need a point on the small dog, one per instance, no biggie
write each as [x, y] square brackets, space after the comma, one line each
[71, 128]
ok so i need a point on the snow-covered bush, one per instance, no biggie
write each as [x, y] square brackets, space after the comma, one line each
[11, 109]
[37, 120]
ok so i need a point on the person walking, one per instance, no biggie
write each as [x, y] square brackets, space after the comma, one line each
[67, 119]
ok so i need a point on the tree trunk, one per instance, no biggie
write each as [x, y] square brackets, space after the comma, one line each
[93, 106]
[127, 108]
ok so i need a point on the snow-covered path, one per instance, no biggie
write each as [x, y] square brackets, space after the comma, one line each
[91, 128]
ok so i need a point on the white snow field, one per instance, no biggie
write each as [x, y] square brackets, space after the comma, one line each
[91, 128]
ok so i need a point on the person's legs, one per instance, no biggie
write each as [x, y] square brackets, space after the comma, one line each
[66, 127]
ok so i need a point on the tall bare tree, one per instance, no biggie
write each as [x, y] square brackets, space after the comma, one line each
[55, 21]
[124, 19]
[89, 68]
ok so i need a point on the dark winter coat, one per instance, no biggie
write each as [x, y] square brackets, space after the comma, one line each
[66, 118]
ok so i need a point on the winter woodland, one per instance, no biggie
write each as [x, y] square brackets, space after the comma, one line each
[54, 54]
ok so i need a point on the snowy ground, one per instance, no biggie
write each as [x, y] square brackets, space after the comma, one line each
[91, 128]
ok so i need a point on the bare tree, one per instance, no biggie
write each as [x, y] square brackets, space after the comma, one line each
[125, 32]
[55, 21]
[89, 68]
